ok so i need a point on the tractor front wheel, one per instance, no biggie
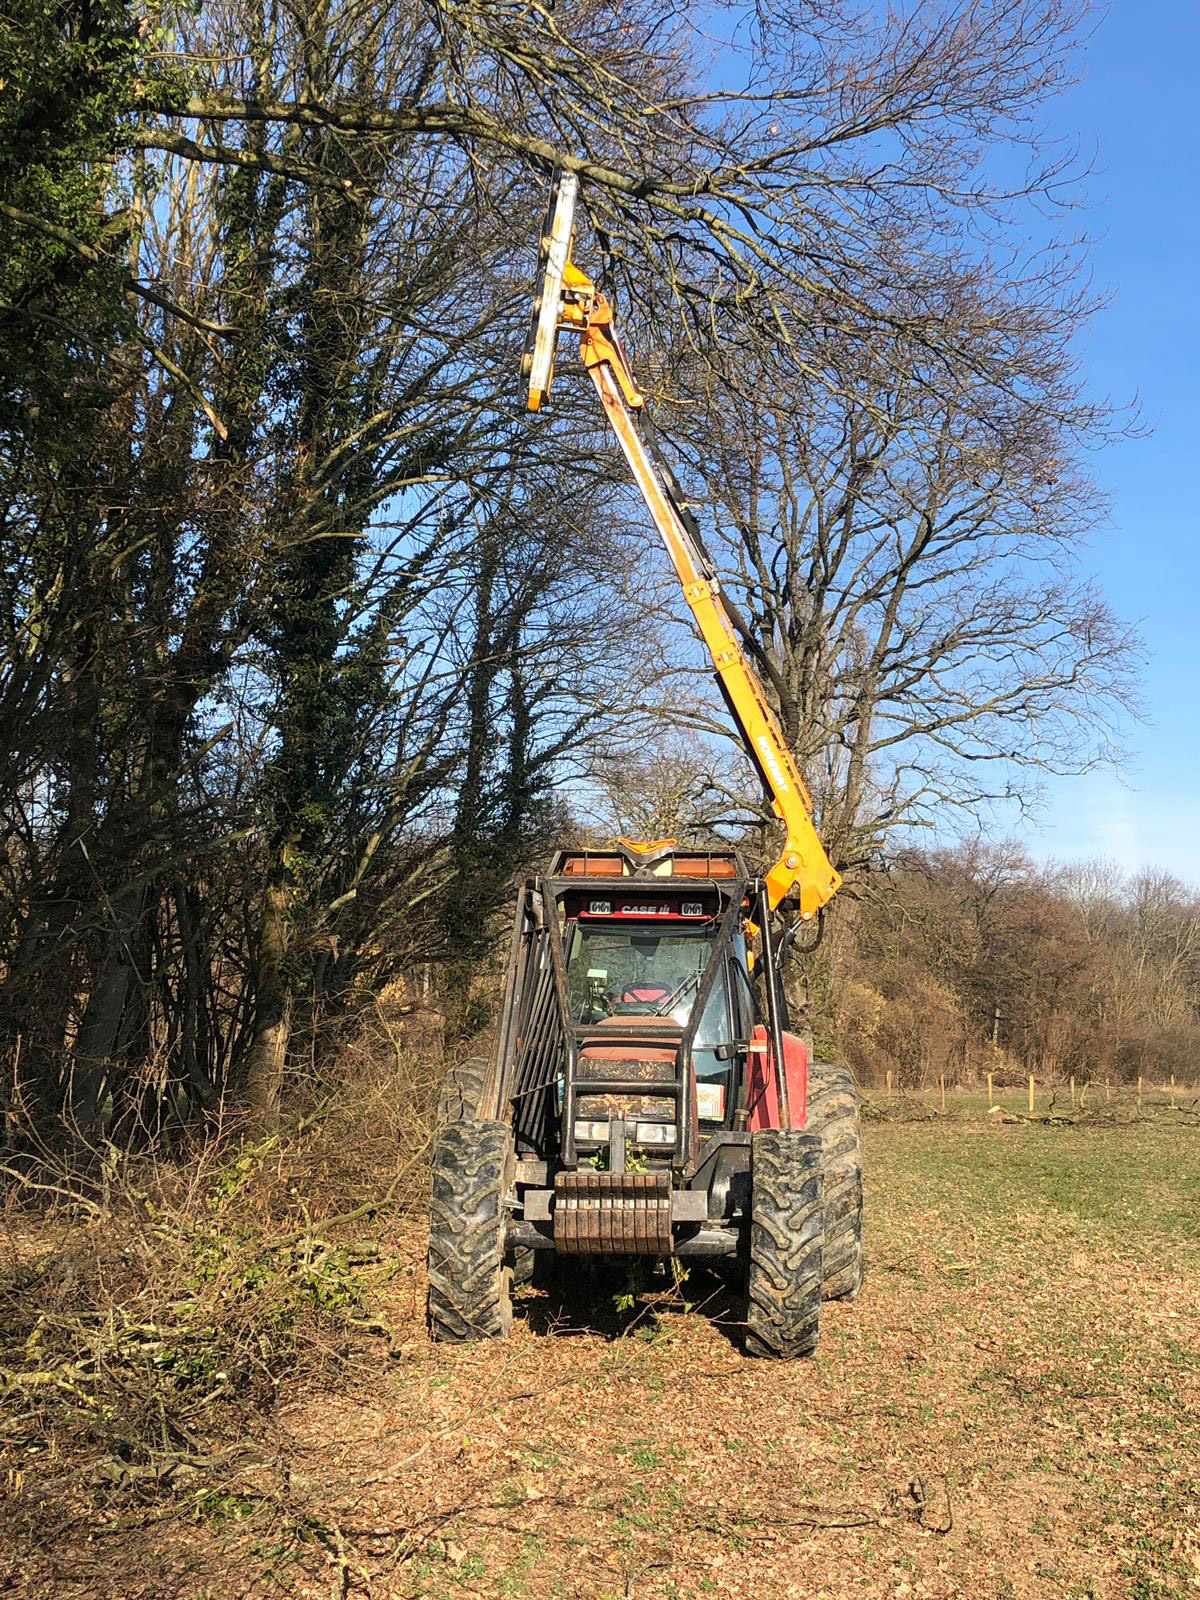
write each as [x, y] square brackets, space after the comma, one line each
[783, 1278]
[461, 1097]
[470, 1279]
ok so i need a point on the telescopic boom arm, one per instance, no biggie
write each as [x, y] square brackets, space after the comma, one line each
[567, 299]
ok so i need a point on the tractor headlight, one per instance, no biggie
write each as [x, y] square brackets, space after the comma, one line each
[591, 1132]
[645, 1133]
[656, 1133]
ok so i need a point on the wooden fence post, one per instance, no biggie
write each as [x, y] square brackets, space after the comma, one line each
[1172, 1091]
[1031, 1094]
[1139, 1098]
[942, 1081]
[889, 1080]
[991, 1095]
[1072, 1089]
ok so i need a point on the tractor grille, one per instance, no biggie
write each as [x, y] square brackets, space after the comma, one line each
[633, 1107]
[647, 1107]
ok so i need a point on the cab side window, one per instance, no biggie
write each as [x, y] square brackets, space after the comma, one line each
[743, 1001]
[713, 1030]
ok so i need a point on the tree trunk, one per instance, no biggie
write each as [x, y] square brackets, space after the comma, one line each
[263, 1086]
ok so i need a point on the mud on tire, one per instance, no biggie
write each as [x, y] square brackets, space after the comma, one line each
[470, 1280]
[461, 1097]
[462, 1090]
[783, 1278]
[833, 1116]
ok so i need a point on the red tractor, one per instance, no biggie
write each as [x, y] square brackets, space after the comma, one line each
[633, 1105]
[645, 1097]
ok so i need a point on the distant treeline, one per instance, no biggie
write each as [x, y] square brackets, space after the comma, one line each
[973, 960]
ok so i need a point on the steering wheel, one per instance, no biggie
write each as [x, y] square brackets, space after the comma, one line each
[644, 993]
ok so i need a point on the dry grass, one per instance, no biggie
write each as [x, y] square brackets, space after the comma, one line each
[1011, 1409]
[148, 1305]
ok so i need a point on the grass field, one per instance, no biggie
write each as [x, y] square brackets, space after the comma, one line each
[1010, 1409]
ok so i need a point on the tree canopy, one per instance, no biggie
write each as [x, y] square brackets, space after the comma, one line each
[311, 635]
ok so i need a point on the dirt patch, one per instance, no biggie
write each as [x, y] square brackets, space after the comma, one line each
[1010, 1409]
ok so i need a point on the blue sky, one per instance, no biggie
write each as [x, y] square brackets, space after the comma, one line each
[1138, 107]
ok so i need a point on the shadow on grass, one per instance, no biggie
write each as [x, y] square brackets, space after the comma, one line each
[618, 1299]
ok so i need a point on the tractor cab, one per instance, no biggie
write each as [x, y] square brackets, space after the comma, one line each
[657, 975]
[636, 974]
[638, 1036]
[659, 1014]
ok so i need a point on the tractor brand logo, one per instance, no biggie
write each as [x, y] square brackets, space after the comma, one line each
[638, 908]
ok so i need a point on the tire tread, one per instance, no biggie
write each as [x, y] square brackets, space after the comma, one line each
[470, 1284]
[783, 1280]
[834, 1117]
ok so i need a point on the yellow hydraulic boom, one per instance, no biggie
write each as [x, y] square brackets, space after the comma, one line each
[568, 299]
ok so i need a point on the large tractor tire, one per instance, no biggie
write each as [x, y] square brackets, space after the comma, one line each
[783, 1280]
[462, 1090]
[833, 1116]
[470, 1278]
[460, 1100]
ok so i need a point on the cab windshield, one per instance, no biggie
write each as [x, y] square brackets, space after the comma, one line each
[613, 972]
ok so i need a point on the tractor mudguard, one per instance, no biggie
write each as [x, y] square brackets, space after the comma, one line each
[762, 1098]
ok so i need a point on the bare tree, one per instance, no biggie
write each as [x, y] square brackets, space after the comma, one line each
[905, 554]
[1045, 969]
[250, 726]
[774, 176]
[235, 640]
[802, 169]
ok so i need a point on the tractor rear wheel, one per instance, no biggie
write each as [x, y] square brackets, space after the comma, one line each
[462, 1090]
[783, 1280]
[470, 1279]
[833, 1115]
